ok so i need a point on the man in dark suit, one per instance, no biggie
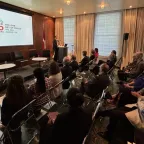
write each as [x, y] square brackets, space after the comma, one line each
[74, 63]
[95, 86]
[84, 61]
[66, 71]
[55, 48]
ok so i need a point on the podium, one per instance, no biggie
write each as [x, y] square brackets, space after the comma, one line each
[63, 51]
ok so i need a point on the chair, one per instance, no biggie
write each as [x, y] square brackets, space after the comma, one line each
[22, 121]
[33, 53]
[18, 57]
[46, 53]
[99, 103]
[5, 57]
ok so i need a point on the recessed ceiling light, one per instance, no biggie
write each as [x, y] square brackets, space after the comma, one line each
[68, 2]
[130, 6]
[84, 12]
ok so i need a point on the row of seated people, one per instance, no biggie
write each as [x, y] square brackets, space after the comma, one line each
[18, 96]
[128, 113]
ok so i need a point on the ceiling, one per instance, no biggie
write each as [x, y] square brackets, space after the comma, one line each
[77, 7]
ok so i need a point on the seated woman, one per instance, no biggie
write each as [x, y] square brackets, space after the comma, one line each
[66, 71]
[74, 63]
[38, 90]
[55, 77]
[70, 127]
[120, 128]
[16, 98]
[112, 59]
[134, 69]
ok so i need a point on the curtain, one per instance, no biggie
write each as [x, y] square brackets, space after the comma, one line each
[139, 40]
[59, 30]
[129, 26]
[84, 39]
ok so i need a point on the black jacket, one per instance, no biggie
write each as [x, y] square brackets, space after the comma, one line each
[66, 71]
[55, 46]
[71, 127]
[84, 61]
[74, 65]
[96, 85]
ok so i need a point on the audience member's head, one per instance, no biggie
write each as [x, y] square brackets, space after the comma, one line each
[96, 50]
[73, 58]
[75, 98]
[55, 37]
[66, 61]
[113, 52]
[104, 68]
[53, 68]
[138, 57]
[40, 80]
[16, 91]
[84, 53]
[92, 52]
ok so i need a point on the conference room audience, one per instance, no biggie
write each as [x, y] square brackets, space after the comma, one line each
[92, 57]
[16, 98]
[112, 59]
[95, 86]
[70, 127]
[84, 62]
[55, 77]
[66, 71]
[74, 63]
[134, 69]
[38, 90]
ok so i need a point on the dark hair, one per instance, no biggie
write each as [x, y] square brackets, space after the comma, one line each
[40, 80]
[73, 57]
[96, 50]
[53, 68]
[114, 52]
[84, 53]
[75, 98]
[93, 52]
[16, 91]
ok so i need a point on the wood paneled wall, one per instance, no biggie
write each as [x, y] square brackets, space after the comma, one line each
[39, 21]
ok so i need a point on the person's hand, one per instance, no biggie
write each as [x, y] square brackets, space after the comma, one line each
[126, 85]
[136, 94]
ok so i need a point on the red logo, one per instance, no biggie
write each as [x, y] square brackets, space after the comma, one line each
[1, 28]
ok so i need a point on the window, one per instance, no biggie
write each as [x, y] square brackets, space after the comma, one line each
[107, 32]
[69, 33]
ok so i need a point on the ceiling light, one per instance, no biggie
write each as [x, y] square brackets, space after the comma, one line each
[130, 6]
[102, 5]
[68, 2]
[53, 16]
[84, 12]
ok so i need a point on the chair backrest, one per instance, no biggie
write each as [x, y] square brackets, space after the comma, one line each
[5, 57]
[22, 120]
[46, 53]
[33, 53]
[17, 55]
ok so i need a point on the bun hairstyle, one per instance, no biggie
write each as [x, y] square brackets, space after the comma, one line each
[75, 98]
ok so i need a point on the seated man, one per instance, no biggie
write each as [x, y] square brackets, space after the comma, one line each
[74, 63]
[92, 57]
[84, 62]
[120, 129]
[66, 71]
[70, 127]
[134, 69]
[98, 83]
